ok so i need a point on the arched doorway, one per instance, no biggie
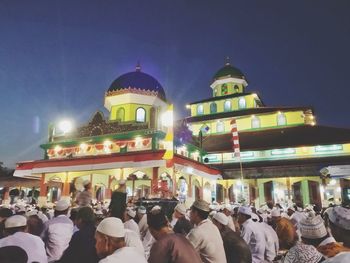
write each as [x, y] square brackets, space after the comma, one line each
[153, 118]
[207, 192]
[182, 189]
[196, 192]
[231, 194]
[54, 192]
[219, 193]
[100, 192]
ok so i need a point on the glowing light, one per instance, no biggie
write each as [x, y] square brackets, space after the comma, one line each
[332, 182]
[107, 145]
[188, 106]
[138, 142]
[189, 170]
[58, 148]
[83, 147]
[65, 126]
[338, 189]
[167, 118]
[239, 183]
[321, 189]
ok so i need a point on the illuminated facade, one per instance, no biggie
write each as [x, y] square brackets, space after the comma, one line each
[135, 143]
[282, 148]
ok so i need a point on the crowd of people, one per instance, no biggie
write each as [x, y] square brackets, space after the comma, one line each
[203, 233]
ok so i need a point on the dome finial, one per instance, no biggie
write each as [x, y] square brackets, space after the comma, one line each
[227, 63]
[138, 66]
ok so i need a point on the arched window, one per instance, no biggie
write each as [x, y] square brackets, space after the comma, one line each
[281, 119]
[213, 107]
[200, 109]
[241, 103]
[140, 115]
[220, 127]
[236, 88]
[121, 114]
[227, 105]
[255, 122]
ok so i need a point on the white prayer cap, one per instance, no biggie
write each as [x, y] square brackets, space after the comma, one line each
[20, 208]
[122, 181]
[212, 213]
[275, 212]
[221, 218]
[312, 227]
[62, 205]
[142, 210]
[245, 210]
[340, 216]
[98, 212]
[15, 221]
[131, 213]
[228, 207]
[181, 209]
[86, 182]
[155, 208]
[111, 226]
[201, 205]
[32, 213]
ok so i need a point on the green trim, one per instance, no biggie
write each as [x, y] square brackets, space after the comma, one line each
[98, 139]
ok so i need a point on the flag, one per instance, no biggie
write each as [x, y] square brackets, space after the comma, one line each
[235, 139]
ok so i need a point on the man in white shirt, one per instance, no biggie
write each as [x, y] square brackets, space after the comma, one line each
[205, 236]
[130, 222]
[142, 218]
[58, 232]
[32, 245]
[252, 233]
[228, 212]
[110, 243]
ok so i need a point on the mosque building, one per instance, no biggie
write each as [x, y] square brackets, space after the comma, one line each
[135, 144]
[282, 150]
[283, 154]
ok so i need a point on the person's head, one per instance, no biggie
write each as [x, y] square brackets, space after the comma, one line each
[5, 213]
[339, 223]
[85, 216]
[34, 225]
[313, 230]
[220, 220]
[290, 210]
[16, 223]
[61, 208]
[199, 211]
[180, 211]
[275, 216]
[87, 184]
[286, 233]
[244, 214]
[130, 214]
[227, 210]
[141, 211]
[73, 215]
[158, 223]
[13, 254]
[270, 204]
[109, 236]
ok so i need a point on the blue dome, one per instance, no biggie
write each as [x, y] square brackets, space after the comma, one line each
[137, 80]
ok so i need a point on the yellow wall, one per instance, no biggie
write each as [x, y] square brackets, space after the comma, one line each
[244, 123]
[220, 104]
[130, 111]
[230, 89]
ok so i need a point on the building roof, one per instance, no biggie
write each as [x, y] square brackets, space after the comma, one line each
[228, 71]
[137, 80]
[278, 138]
[235, 95]
[229, 114]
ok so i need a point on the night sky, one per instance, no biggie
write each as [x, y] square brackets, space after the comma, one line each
[57, 58]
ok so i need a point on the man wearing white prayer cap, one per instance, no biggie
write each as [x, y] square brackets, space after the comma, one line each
[182, 225]
[110, 243]
[58, 231]
[228, 212]
[15, 227]
[84, 197]
[252, 234]
[314, 232]
[339, 222]
[205, 236]
[130, 222]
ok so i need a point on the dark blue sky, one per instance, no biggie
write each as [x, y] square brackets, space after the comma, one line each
[57, 58]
